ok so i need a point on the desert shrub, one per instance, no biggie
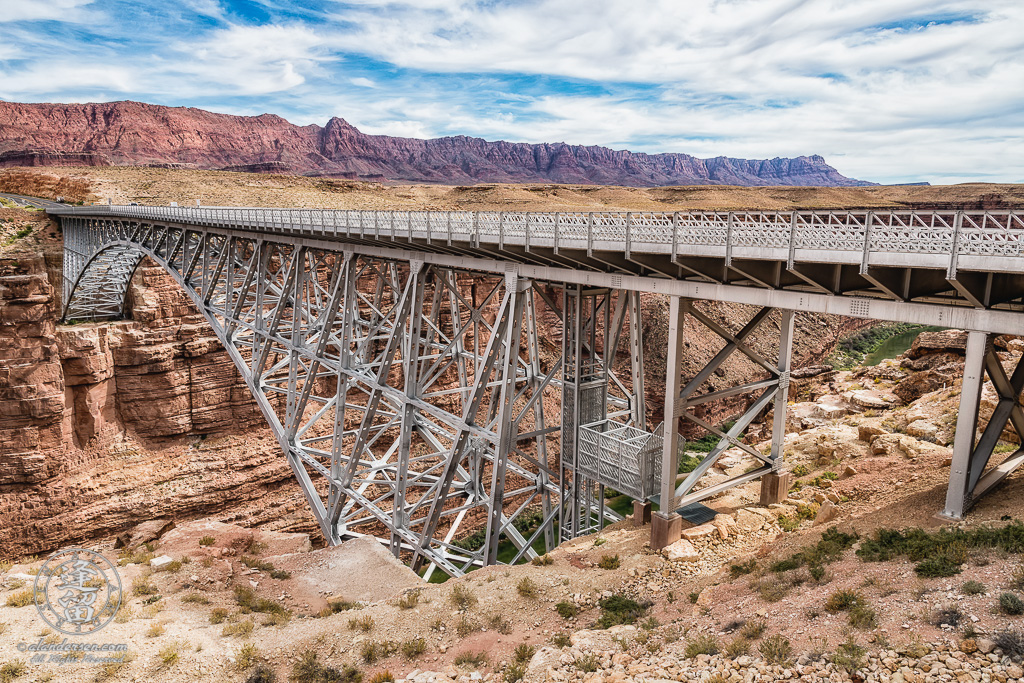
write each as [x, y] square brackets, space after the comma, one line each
[262, 674]
[775, 649]
[462, 597]
[609, 562]
[239, 628]
[20, 598]
[256, 563]
[737, 647]
[771, 588]
[801, 471]
[310, 670]
[143, 585]
[248, 600]
[542, 560]
[523, 653]
[469, 658]
[500, 623]
[787, 523]
[195, 598]
[280, 574]
[741, 569]
[155, 631]
[561, 640]
[335, 605]
[973, 588]
[948, 616]
[587, 663]
[940, 553]
[753, 629]
[514, 672]
[649, 624]
[862, 616]
[567, 610]
[1011, 604]
[363, 623]
[1011, 643]
[371, 651]
[206, 541]
[218, 615]
[11, 670]
[411, 649]
[618, 609]
[849, 656]
[464, 626]
[526, 588]
[704, 644]
[842, 600]
[409, 600]
[384, 676]
[830, 548]
[169, 655]
[248, 656]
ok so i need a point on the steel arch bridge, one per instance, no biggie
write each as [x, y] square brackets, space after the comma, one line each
[399, 360]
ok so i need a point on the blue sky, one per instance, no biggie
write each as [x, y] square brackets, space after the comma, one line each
[885, 90]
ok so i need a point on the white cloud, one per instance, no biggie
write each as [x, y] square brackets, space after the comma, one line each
[253, 60]
[362, 82]
[41, 10]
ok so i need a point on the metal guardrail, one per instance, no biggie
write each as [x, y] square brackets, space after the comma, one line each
[977, 233]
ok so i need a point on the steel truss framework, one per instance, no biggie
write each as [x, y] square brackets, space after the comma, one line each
[408, 384]
[408, 398]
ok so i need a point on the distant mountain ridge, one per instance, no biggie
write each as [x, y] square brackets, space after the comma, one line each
[134, 133]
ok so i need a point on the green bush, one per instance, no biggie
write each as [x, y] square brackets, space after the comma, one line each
[567, 610]
[309, 670]
[973, 588]
[609, 562]
[1010, 603]
[618, 609]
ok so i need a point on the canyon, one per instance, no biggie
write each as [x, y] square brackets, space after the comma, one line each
[138, 134]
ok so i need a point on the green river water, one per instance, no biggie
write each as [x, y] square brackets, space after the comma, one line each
[896, 345]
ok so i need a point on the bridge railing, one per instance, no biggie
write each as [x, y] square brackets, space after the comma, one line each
[975, 233]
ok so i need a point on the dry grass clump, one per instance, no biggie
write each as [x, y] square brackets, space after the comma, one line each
[239, 628]
[469, 658]
[462, 597]
[527, 588]
[363, 623]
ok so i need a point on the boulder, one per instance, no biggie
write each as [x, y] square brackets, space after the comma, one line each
[150, 530]
[943, 341]
[747, 521]
[920, 383]
[158, 563]
[826, 513]
[681, 551]
[702, 531]
[867, 399]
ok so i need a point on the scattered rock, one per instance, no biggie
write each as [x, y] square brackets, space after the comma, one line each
[681, 551]
[826, 513]
[161, 562]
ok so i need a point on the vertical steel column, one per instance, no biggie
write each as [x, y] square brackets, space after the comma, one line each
[636, 357]
[507, 394]
[410, 357]
[678, 307]
[782, 397]
[958, 495]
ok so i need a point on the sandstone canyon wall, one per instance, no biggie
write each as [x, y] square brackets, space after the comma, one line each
[133, 133]
[103, 425]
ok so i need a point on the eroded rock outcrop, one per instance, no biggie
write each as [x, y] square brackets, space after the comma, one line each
[134, 133]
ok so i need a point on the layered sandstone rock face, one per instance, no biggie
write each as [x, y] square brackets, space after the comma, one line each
[94, 419]
[133, 133]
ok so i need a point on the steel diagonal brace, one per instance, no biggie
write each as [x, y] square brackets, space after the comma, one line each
[275, 321]
[735, 342]
[728, 439]
[491, 354]
[401, 311]
[318, 352]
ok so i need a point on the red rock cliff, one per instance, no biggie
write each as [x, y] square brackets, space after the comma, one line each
[133, 133]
